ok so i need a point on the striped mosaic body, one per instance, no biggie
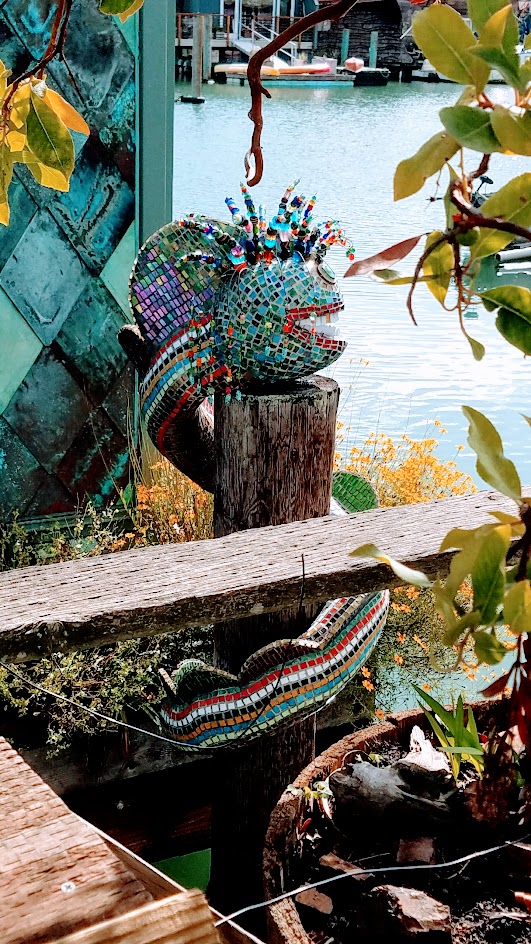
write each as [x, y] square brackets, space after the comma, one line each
[293, 688]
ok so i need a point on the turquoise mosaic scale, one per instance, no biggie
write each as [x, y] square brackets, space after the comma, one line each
[217, 305]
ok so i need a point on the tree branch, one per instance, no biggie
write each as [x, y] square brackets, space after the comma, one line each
[333, 12]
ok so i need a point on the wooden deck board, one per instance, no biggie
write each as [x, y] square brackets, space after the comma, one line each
[57, 875]
[152, 590]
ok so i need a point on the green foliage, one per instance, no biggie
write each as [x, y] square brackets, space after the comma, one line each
[500, 606]
[122, 680]
[474, 126]
[412, 173]
[459, 740]
[446, 41]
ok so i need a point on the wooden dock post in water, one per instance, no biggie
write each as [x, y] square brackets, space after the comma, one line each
[198, 30]
[274, 457]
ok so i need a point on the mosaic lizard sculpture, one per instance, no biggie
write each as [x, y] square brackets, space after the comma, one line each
[218, 304]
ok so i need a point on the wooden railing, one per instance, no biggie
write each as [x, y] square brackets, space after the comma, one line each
[100, 600]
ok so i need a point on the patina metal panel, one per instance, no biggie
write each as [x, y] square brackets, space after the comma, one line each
[66, 389]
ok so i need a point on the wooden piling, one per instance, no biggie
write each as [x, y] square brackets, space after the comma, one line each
[207, 48]
[274, 455]
[197, 62]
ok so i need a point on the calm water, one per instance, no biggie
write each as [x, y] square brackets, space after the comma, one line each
[344, 144]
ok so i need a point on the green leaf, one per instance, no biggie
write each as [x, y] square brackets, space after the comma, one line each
[525, 71]
[445, 40]
[413, 172]
[488, 573]
[446, 716]
[480, 11]
[488, 648]
[6, 175]
[393, 277]
[497, 471]
[507, 65]
[467, 749]
[514, 298]
[48, 138]
[462, 537]
[478, 349]
[463, 563]
[515, 330]
[513, 130]
[438, 267]
[527, 43]
[501, 30]
[113, 7]
[513, 203]
[471, 127]
[406, 574]
[517, 607]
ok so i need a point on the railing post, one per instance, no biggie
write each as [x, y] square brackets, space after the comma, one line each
[156, 86]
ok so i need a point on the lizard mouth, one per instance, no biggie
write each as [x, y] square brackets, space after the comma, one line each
[319, 324]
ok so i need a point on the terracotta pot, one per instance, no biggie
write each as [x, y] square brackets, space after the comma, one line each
[285, 926]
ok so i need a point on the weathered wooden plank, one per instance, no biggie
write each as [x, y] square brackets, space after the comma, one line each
[129, 594]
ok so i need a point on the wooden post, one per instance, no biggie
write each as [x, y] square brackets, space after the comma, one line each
[274, 455]
[207, 48]
[197, 61]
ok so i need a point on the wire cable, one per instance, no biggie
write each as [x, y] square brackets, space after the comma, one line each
[388, 868]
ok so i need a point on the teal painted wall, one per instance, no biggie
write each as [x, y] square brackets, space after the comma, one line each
[65, 387]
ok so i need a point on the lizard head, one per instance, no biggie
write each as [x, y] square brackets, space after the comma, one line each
[277, 321]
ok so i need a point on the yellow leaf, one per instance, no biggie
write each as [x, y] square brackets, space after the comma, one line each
[4, 75]
[4, 214]
[16, 140]
[46, 176]
[19, 106]
[68, 115]
[132, 9]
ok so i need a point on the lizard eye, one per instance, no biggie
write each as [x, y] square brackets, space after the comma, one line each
[326, 273]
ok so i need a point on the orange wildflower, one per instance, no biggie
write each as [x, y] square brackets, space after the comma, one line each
[398, 659]
[368, 685]
[365, 671]
[401, 637]
[380, 714]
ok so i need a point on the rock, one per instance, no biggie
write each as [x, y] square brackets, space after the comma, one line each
[316, 900]
[414, 851]
[334, 864]
[395, 913]
[392, 799]
[423, 754]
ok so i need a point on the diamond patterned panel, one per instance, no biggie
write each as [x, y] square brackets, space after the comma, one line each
[23, 346]
[65, 389]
